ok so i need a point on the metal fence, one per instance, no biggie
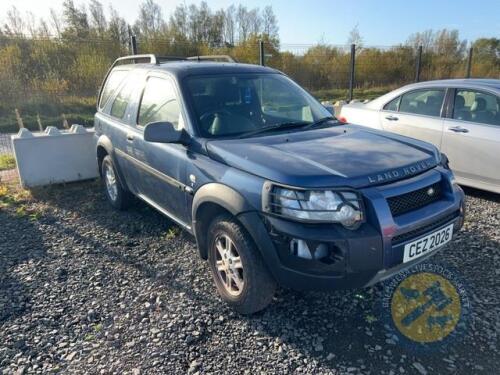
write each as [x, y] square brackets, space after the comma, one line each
[52, 82]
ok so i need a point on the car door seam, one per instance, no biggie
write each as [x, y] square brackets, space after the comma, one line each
[170, 180]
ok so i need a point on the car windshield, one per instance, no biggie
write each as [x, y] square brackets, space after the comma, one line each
[241, 104]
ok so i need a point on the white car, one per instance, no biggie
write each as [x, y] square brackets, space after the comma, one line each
[459, 116]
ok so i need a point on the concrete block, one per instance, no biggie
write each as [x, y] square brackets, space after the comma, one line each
[55, 156]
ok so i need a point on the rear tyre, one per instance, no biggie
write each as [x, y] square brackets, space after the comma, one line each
[116, 194]
[240, 275]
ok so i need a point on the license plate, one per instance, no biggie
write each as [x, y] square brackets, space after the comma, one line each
[425, 245]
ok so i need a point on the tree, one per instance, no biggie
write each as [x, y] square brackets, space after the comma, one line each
[355, 37]
[76, 20]
[269, 23]
[97, 18]
[424, 39]
[150, 21]
[486, 57]
[15, 25]
[230, 25]
[243, 23]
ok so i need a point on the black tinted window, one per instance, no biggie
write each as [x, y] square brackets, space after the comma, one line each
[113, 81]
[393, 104]
[423, 102]
[476, 106]
[159, 103]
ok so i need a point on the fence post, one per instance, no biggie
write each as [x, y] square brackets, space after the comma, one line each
[133, 44]
[469, 63]
[418, 64]
[261, 53]
[351, 72]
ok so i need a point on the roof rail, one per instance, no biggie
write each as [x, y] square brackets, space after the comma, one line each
[222, 58]
[153, 59]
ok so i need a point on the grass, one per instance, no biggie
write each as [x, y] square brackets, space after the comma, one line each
[20, 201]
[78, 110]
[172, 233]
[7, 162]
[342, 94]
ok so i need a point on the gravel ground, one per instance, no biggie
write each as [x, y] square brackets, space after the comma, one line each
[86, 289]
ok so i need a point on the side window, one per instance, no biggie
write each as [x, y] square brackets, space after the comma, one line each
[476, 106]
[113, 81]
[119, 106]
[159, 103]
[423, 102]
[393, 105]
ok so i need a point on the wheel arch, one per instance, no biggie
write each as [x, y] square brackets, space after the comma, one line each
[210, 201]
[103, 149]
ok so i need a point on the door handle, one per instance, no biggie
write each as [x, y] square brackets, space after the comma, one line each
[391, 118]
[130, 137]
[458, 129]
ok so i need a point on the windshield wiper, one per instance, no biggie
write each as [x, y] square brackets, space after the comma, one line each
[281, 125]
[319, 122]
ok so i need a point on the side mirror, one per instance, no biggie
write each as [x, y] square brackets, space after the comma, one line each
[164, 132]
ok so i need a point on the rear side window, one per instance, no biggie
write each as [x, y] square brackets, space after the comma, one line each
[113, 81]
[122, 100]
[393, 105]
[476, 106]
[159, 103]
[423, 102]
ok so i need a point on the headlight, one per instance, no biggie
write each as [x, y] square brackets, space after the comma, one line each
[337, 206]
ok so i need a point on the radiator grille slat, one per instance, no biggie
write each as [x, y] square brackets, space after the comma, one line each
[413, 200]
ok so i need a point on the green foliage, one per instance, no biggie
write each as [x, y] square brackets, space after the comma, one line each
[172, 233]
[51, 76]
[7, 162]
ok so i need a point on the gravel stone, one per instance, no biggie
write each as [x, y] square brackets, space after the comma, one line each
[87, 289]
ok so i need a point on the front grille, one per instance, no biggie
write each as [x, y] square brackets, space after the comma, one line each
[415, 199]
[422, 230]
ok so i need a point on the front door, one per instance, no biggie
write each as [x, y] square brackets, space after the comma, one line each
[416, 114]
[162, 165]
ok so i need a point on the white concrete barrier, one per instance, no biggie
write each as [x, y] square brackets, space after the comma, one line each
[55, 156]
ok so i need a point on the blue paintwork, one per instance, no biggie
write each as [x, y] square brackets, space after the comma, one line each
[312, 158]
[377, 164]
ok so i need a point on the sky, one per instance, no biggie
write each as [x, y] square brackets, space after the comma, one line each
[380, 22]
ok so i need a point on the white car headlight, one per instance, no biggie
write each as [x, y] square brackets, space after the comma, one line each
[338, 206]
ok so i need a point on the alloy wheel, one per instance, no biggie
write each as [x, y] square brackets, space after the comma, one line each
[111, 183]
[229, 266]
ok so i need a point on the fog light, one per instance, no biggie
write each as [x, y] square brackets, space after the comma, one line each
[301, 249]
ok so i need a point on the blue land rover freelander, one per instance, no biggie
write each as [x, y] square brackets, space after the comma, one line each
[275, 190]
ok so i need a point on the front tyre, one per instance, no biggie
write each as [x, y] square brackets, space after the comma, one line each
[116, 194]
[241, 277]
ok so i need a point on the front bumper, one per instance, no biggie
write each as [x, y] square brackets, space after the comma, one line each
[361, 257]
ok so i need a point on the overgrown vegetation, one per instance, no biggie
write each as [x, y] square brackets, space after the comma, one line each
[54, 67]
[7, 162]
[20, 202]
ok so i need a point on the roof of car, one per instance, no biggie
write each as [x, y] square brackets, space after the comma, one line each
[184, 68]
[468, 82]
